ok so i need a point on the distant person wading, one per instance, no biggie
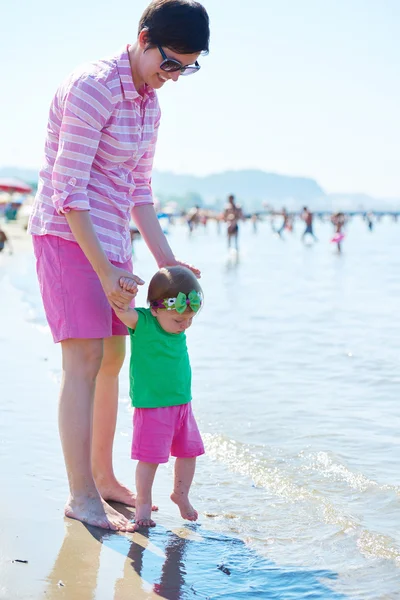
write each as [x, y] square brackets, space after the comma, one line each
[232, 215]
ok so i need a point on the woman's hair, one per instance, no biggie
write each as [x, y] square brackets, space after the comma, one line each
[169, 281]
[181, 25]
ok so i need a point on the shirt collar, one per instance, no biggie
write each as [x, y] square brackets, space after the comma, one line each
[125, 75]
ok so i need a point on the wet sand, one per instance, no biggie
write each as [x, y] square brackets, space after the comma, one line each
[43, 554]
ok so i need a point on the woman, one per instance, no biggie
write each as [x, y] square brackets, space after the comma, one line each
[99, 150]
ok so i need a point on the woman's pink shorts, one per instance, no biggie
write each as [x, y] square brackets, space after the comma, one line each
[74, 301]
[161, 432]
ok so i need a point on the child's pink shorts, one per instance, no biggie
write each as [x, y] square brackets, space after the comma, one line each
[161, 432]
[74, 301]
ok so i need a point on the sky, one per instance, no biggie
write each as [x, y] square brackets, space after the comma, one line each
[297, 87]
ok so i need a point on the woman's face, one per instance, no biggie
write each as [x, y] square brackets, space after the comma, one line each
[150, 61]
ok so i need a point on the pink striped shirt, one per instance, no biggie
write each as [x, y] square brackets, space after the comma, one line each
[100, 143]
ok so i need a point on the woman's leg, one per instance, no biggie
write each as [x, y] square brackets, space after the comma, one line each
[81, 363]
[145, 473]
[183, 477]
[105, 420]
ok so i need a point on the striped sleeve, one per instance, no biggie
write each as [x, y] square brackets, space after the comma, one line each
[143, 193]
[87, 107]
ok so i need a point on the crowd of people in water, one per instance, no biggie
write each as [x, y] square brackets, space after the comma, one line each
[232, 215]
[282, 221]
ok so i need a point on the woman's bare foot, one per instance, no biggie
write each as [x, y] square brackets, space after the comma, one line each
[143, 516]
[94, 511]
[114, 491]
[186, 509]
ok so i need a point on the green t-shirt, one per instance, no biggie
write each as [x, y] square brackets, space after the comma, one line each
[159, 373]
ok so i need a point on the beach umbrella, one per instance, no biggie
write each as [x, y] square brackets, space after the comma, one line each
[14, 185]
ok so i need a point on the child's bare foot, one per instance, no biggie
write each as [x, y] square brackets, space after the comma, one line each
[186, 509]
[114, 491]
[143, 516]
[94, 511]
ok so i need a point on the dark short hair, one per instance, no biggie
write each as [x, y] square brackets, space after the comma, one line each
[181, 25]
[169, 281]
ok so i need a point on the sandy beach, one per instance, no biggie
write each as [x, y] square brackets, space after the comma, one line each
[297, 493]
[43, 554]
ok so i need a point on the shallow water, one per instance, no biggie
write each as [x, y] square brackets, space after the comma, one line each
[295, 361]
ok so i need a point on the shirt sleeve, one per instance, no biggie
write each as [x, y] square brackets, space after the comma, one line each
[142, 321]
[143, 193]
[86, 108]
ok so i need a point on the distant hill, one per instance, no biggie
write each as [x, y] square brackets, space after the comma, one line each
[253, 188]
[249, 186]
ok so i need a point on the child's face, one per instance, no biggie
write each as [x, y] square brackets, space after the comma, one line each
[173, 322]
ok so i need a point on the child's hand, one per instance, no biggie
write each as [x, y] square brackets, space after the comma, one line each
[123, 308]
[128, 285]
[130, 288]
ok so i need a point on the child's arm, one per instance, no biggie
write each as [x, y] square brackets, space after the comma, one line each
[128, 316]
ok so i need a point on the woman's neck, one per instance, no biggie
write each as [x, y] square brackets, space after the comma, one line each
[133, 54]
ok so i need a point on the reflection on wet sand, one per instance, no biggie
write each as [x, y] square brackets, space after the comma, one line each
[75, 571]
[148, 572]
[166, 574]
[160, 563]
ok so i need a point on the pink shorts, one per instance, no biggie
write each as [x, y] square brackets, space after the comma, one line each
[74, 301]
[161, 432]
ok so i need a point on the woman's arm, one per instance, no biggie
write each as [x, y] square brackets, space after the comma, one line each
[82, 228]
[146, 221]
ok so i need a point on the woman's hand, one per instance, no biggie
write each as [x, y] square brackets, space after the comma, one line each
[175, 262]
[116, 296]
[146, 221]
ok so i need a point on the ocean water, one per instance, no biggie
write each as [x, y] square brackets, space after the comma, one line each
[295, 360]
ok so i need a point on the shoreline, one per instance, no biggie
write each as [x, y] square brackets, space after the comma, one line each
[68, 560]
[43, 554]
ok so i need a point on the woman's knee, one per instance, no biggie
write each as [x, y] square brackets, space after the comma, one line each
[82, 357]
[113, 356]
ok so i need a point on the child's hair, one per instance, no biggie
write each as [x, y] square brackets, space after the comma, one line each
[169, 281]
[181, 25]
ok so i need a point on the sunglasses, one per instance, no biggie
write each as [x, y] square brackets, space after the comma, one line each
[170, 65]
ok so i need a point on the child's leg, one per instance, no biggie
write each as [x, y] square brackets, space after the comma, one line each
[184, 473]
[145, 473]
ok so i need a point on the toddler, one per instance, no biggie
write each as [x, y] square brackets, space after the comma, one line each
[160, 387]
